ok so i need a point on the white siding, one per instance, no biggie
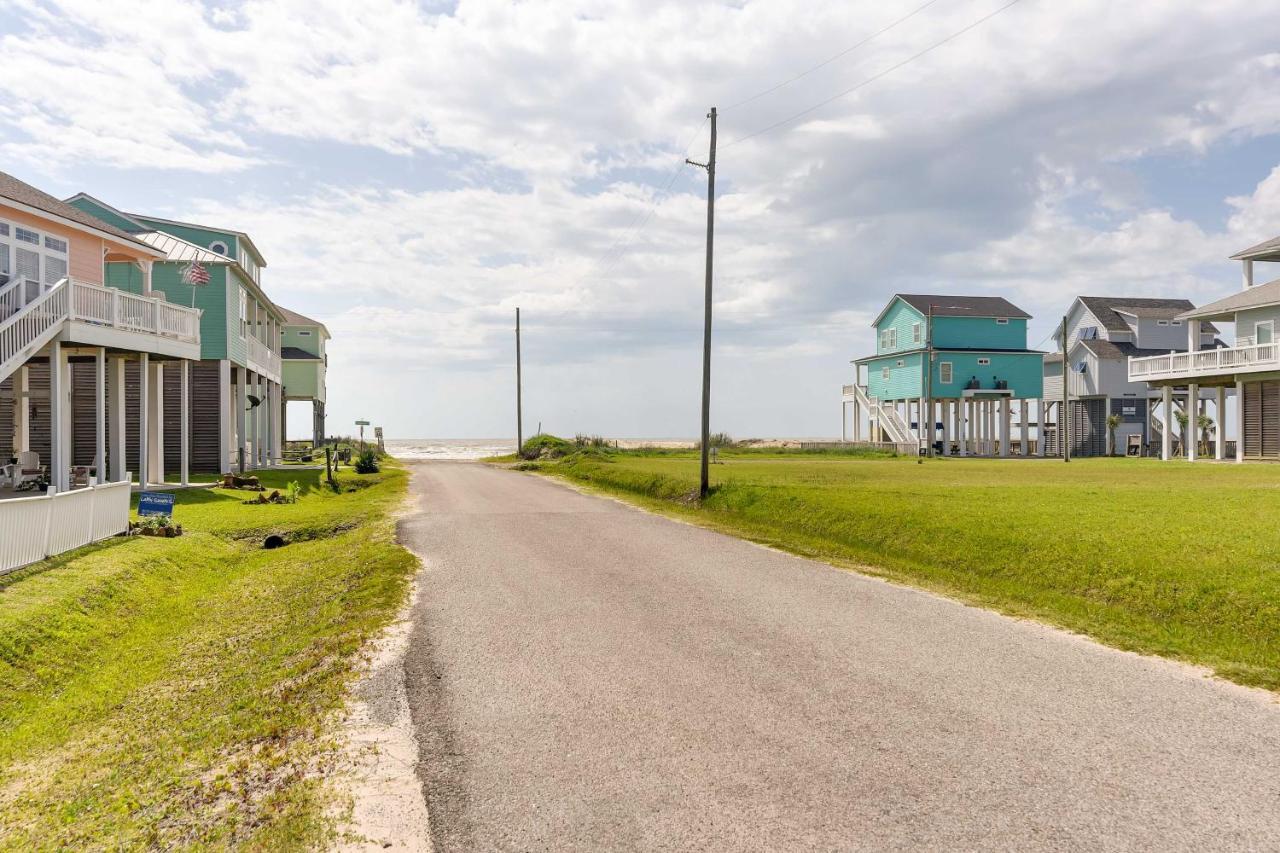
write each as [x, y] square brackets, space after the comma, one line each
[1246, 320]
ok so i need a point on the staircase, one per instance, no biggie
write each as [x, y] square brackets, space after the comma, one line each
[25, 327]
[895, 428]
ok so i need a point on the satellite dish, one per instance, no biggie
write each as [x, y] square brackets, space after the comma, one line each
[254, 402]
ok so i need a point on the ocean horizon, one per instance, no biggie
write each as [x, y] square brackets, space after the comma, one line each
[478, 448]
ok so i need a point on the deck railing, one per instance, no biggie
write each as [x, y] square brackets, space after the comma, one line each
[109, 306]
[1188, 365]
[36, 318]
[264, 356]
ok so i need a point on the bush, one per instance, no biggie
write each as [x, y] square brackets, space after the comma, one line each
[367, 462]
[545, 446]
[590, 440]
[719, 439]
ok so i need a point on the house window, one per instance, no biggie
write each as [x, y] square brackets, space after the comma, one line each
[884, 374]
[25, 235]
[1002, 321]
[1081, 366]
[55, 244]
[219, 247]
[304, 334]
[244, 313]
[983, 362]
[26, 254]
[1087, 333]
[1175, 323]
[944, 372]
[1162, 322]
[915, 333]
[1264, 333]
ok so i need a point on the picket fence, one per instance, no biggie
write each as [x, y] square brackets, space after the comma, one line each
[50, 524]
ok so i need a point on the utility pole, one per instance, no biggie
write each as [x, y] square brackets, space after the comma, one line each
[928, 382]
[710, 166]
[1064, 420]
[519, 402]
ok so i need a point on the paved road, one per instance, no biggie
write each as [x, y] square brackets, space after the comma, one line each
[585, 676]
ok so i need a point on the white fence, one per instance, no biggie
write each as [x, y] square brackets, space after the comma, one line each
[1187, 365]
[34, 528]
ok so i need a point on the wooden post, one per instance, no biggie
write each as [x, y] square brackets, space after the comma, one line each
[1064, 416]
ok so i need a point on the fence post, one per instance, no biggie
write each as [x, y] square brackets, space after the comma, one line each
[48, 516]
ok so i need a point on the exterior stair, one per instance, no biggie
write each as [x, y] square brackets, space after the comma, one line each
[25, 329]
[895, 428]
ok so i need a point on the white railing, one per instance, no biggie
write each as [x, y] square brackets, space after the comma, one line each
[897, 429]
[34, 528]
[263, 356]
[109, 306]
[32, 325]
[1205, 362]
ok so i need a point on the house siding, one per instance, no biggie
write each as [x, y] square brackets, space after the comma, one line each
[904, 383]
[166, 277]
[1246, 320]
[902, 317]
[108, 216]
[1022, 370]
[84, 251]
[300, 378]
[984, 332]
[200, 236]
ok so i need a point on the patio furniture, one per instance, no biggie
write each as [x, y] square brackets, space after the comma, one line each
[28, 469]
[79, 476]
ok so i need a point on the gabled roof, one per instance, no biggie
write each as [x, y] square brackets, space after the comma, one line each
[177, 249]
[135, 227]
[1108, 308]
[262, 262]
[1267, 250]
[26, 195]
[1225, 309]
[297, 354]
[293, 318]
[957, 306]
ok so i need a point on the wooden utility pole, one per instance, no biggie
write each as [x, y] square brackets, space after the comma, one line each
[1064, 419]
[710, 166]
[928, 382]
[519, 401]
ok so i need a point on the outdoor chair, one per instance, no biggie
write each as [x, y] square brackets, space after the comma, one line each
[79, 476]
[28, 469]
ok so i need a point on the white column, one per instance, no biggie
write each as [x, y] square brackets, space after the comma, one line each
[1006, 426]
[1042, 434]
[226, 424]
[100, 415]
[241, 402]
[57, 410]
[1248, 274]
[115, 385]
[260, 437]
[22, 410]
[965, 426]
[1166, 434]
[146, 278]
[1220, 423]
[184, 422]
[946, 427]
[1190, 439]
[990, 408]
[1024, 412]
[144, 414]
[1239, 421]
[277, 420]
[155, 436]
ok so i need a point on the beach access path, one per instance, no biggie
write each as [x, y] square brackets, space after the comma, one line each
[584, 675]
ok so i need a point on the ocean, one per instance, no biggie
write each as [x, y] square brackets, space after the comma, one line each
[478, 448]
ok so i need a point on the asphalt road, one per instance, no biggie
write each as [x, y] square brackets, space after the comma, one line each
[586, 676]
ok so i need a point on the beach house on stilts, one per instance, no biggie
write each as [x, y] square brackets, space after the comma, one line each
[1248, 372]
[949, 372]
[304, 350]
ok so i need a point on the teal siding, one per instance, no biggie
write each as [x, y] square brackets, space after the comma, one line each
[904, 318]
[904, 383]
[107, 216]
[979, 332]
[308, 343]
[123, 276]
[202, 237]
[237, 347]
[166, 276]
[1024, 371]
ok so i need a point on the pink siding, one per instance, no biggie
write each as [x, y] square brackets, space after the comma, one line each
[84, 249]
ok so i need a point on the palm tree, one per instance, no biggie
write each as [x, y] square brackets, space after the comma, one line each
[1182, 419]
[1206, 426]
[1113, 423]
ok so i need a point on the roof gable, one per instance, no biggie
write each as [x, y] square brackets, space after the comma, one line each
[22, 193]
[100, 209]
[1267, 250]
[214, 232]
[956, 306]
[1107, 310]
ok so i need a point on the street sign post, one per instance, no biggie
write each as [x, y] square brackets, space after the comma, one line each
[362, 425]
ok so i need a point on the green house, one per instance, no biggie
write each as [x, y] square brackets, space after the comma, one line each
[948, 374]
[303, 350]
[236, 388]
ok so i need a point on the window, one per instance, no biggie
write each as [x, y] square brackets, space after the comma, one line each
[26, 253]
[1087, 333]
[916, 336]
[244, 313]
[1002, 321]
[1264, 333]
[983, 362]
[893, 339]
[884, 374]
[945, 372]
[303, 334]
[1175, 322]
[219, 247]
[1082, 366]
[1162, 322]
[900, 363]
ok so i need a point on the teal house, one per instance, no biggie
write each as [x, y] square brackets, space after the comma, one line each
[949, 373]
[236, 389]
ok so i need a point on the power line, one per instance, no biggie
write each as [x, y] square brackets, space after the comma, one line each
[874, 77]
[832, 59]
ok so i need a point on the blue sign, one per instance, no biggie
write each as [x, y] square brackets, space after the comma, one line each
[155, 503]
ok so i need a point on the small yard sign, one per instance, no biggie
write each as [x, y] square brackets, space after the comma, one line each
[155, 503]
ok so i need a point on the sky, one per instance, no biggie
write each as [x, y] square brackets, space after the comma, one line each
[415, 171]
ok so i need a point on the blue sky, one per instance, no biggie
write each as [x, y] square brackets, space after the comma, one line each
[414, 171]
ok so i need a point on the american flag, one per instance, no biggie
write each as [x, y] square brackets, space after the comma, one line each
[195, 273]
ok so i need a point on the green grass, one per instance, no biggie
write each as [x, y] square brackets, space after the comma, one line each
[1173, 559]
[181, 692]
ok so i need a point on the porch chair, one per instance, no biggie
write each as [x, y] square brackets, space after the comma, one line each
[28, 469]
[79, 476]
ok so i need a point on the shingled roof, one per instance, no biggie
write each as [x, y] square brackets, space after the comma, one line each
[23, 193]
[1267, 250]
[958, 306]
[1105, 308]
[1225, 309]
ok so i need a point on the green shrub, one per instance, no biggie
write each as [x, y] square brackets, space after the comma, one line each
[367, 462]
[544, 446]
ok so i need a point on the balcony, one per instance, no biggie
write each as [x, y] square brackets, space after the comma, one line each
[1258, 358]
[263, 359]
[106, 316]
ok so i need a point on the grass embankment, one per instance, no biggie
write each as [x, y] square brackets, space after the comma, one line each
[178, 692]
[1173, 559]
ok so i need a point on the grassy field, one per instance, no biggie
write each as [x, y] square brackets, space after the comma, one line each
[1174, 559]
[179, 692]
